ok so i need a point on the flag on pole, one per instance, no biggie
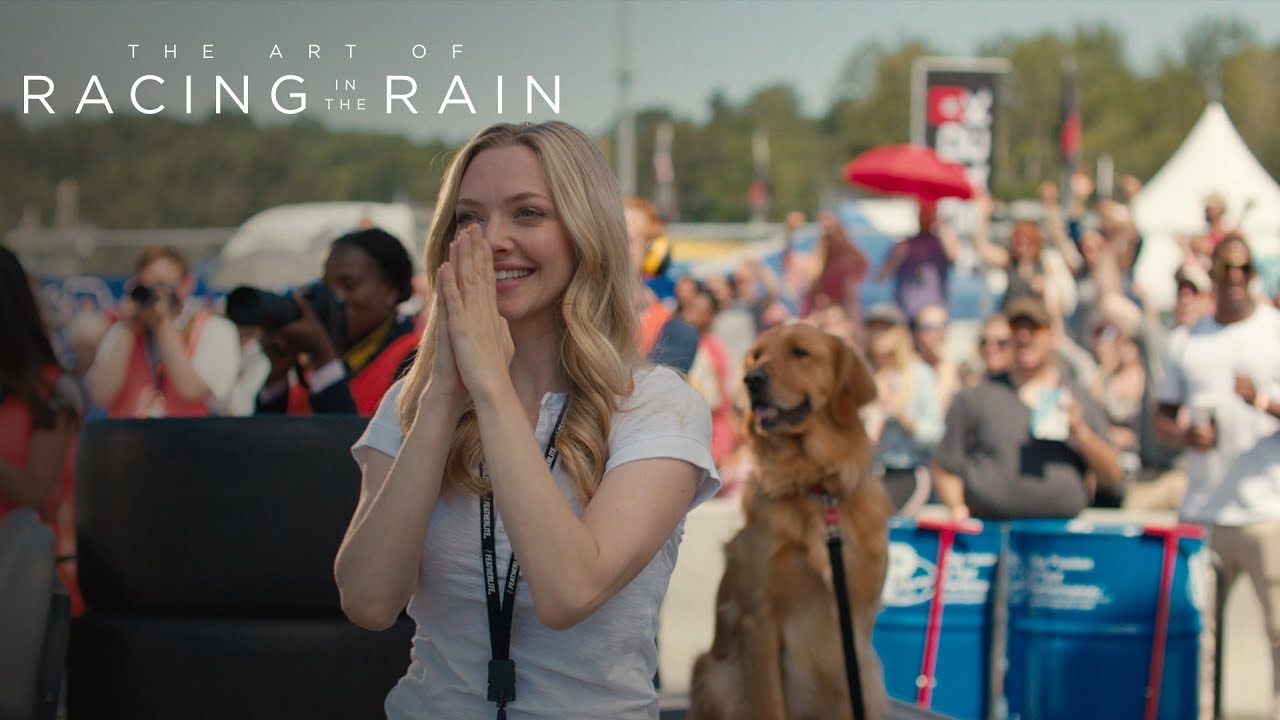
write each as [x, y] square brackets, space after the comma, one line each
[1069, 129]
[758, 193]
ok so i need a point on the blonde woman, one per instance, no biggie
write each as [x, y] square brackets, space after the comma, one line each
[906, 419]
[529, 358]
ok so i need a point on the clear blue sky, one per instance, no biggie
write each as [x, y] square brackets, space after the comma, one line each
[680, 51]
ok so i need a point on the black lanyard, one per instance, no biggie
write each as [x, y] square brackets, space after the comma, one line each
[502, 669]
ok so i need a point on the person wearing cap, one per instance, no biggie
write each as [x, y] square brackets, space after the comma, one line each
[370, 273]
[1027, 443]
[1225, 370]
[1194, 298]
[905, 421]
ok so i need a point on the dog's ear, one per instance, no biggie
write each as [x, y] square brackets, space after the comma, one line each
[854, 385]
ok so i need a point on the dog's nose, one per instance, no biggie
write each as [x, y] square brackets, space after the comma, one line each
[755, 379]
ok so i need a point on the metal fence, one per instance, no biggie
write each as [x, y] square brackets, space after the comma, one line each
[61, 252]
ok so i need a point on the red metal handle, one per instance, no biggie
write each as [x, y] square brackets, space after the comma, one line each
[968, 526]
[928, 663]
[1170, 535]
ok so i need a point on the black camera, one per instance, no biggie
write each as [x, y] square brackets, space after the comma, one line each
[143, 294]
[270, 311]
[148, 295]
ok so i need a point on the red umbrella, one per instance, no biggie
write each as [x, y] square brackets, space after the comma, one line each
[908, 170]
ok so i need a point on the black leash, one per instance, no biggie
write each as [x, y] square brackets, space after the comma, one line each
[502, 669]
[832, 518]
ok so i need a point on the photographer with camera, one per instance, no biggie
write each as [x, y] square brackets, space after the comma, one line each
[336, 346]
[164, 356]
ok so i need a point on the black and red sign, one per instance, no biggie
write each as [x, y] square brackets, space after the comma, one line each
[960, 119]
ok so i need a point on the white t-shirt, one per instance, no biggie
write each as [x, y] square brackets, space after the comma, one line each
[1238, 481]
[602, 667]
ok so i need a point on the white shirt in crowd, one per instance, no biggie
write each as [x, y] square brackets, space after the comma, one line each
[1238, 481]
[602, 667]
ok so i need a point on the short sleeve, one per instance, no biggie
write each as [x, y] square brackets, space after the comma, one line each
[383, 432]
[1172, 389]
[217, 358]
[665, 418]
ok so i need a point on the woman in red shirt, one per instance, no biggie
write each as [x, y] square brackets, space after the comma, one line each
[40, 412]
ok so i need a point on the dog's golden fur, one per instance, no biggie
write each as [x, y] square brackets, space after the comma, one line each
[777, 651]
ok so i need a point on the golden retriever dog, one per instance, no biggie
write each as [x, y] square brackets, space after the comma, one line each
[777, 651]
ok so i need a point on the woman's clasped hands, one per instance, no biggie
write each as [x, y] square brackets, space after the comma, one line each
[473, 345]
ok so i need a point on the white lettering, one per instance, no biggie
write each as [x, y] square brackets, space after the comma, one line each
[392, 95]
[133, 95]
[450, 100]
[529, 88]
[242, 103]
[300, 97]
[27, 96]
[100, 100]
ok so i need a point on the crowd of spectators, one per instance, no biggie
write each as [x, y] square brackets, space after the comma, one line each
[1075, 391]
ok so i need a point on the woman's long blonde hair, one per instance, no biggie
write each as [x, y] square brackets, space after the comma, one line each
[904, 357]
[598, 323]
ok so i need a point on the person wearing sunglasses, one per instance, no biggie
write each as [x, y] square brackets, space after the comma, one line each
[929, 332]
[1226, 370]
[995, 345]
[1027, 443]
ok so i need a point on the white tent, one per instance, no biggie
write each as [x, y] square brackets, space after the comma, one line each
[286, 245]
[1212, 158]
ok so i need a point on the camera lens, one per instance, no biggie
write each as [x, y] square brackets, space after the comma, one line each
[142, 295]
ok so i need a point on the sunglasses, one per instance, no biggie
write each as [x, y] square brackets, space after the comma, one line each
[993, 342]
[1222, 267]
[929, 326]
[1024, 323]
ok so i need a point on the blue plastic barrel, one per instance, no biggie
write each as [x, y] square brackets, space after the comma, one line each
[962, 669]
[1082, 606]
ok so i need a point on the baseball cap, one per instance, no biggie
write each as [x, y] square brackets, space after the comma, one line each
[1195, 275]
[885, 312]
[1028, 308]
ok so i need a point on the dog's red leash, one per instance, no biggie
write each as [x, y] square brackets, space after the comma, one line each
[947, 530]
[831, 517]
[1171, 536]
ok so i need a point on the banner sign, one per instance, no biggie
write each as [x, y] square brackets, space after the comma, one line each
[954, 111]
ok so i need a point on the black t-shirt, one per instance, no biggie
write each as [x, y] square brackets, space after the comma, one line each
[1006, 472]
